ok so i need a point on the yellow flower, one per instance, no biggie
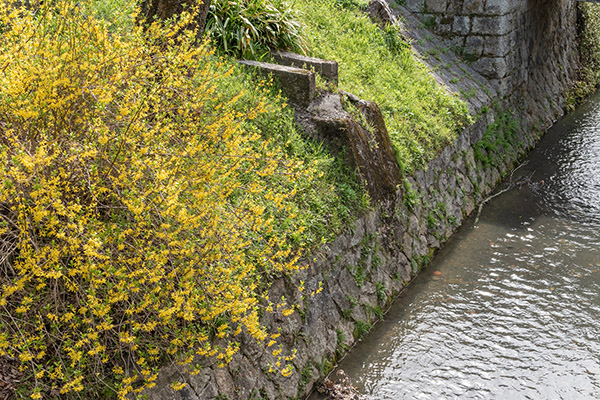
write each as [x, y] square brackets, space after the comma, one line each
[178, 385]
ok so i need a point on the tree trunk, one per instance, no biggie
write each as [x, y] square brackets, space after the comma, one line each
[165, 9]
[202, 16]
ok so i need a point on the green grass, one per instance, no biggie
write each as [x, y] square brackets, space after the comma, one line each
[325, 205]
[361, 329]
[375, 64]
[378, 65]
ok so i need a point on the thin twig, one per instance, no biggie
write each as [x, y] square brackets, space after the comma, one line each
[511, 184]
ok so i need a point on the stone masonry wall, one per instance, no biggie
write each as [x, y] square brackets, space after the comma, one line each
[543, 60]
[503, 38]
[483, 31]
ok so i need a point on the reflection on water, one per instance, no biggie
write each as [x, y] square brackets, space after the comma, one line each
[510, 308]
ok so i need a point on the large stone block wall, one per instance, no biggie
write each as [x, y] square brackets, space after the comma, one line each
[506, 40]
[479, 29]
[543, 61]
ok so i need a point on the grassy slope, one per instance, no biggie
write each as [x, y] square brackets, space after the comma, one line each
[377, 65]
[325, 205]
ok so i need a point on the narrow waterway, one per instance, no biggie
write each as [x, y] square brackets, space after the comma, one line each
[510, 308]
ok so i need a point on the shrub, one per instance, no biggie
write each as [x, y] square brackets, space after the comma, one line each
[140, 206]
[252, 28]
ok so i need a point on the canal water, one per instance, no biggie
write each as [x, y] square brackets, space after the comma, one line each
[510, 308]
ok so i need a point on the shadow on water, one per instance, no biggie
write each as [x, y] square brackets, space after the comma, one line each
[509, 308]
[561, 176]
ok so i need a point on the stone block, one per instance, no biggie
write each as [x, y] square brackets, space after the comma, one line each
[456, 42]
[492, 26]
[474, 45]
[497, 46]
[297, 84]
[513, 39]
[498, 7]
[444, 30]
[326, 68]
[472, 7]
[415, 6]
[436, 6]
[462, 25]
[492, 68]
[503, 85]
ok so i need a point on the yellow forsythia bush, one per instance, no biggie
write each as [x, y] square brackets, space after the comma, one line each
[136, 208]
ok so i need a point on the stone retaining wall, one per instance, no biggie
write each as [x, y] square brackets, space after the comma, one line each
[502, 38]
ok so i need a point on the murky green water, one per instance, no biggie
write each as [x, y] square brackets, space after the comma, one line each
[510, 308]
